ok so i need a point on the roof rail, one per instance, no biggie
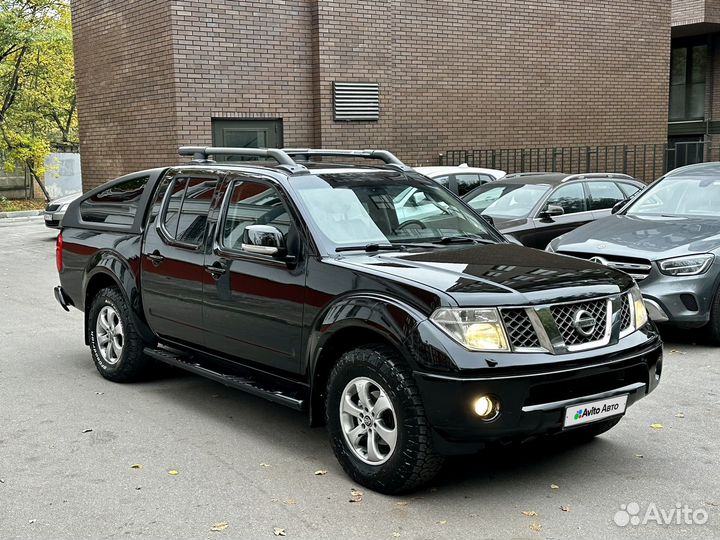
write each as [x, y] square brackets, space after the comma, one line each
[200, 155]
[390, 159]
[597, 175]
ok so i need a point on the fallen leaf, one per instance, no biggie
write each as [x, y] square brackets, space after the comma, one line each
[173, 472]
[220, 527]
[290, 502]
[265, 465]
[278, 531]
[529, 513]
[680, 415]
[87, 430]
[675, 351]
[402, 503]
[321, 472]
[274, 500]
[536, 527]
[565, 508]
[441, 522]
[356, 495]
[656, 426]
[712, 503]
[136, 466]
[472, 515]
[639, 456]
[32, 521]
[554, 486]
[396, 535]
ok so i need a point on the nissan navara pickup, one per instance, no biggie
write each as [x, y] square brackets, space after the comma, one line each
[368, 296]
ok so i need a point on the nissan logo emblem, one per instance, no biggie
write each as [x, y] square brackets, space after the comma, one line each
[599, 260]
[584, 323]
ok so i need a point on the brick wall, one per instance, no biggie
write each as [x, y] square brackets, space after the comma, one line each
[688, 12]
[453, 74]
[126, 86]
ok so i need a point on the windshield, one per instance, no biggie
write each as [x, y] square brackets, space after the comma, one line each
[683, 197]
[391, 209]
[509, 200]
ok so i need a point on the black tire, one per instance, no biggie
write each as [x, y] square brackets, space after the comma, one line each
[413, 461]
[131, 364]
[586, 433]
[713, 326]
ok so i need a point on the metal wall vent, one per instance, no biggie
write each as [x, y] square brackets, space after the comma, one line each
[356, 101]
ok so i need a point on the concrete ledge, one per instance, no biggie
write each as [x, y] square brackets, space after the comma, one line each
[20, 214]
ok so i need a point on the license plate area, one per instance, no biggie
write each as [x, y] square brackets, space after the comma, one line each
[592, 411]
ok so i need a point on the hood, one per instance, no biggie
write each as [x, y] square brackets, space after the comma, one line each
[646, 237]
[66, 198]
[496, 275]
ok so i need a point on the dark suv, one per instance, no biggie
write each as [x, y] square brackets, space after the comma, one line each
[410, 337]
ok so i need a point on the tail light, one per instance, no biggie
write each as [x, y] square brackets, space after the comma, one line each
[59, 252]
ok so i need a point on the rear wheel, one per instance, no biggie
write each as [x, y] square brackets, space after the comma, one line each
[377, 422]
[115, 343]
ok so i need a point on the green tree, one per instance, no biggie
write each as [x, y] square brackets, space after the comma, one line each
[37, 82]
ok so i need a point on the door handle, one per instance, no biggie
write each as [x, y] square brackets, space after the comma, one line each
[156, 258]
[216, 270]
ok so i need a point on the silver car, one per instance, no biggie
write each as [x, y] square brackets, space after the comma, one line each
[55, 210]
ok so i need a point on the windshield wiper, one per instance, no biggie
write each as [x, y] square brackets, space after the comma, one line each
[372, 247]
[463, 239]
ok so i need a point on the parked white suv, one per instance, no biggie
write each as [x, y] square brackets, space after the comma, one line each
[461, 179]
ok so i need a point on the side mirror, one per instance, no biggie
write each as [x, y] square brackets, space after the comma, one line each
[552, 211]
[263, 240]
[618, 206]
[488, 219]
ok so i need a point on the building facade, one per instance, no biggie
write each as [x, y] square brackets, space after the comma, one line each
[413, 76]
[694, 114]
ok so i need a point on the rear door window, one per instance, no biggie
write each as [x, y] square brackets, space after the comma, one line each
[628, 189]
[467, 182]
[187, 203]
[604, 195]
[116, 205]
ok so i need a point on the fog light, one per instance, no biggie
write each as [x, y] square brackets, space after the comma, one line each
[486, 407]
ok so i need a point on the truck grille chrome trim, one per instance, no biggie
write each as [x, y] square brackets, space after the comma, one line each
[567, 327]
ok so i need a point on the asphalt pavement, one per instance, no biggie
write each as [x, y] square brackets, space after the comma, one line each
[178, 455]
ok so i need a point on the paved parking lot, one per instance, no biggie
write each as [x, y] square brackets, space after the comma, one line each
[69, 440]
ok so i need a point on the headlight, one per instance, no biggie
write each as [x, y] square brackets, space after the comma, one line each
[477, 329]
[691, 265]
[639, 309]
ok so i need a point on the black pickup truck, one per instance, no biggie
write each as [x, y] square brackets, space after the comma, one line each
[368, 296]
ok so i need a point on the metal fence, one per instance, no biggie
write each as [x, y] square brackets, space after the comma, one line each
[643, 161]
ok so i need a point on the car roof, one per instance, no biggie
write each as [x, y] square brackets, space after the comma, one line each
[556, 178]
[433, 171]
[711, 168]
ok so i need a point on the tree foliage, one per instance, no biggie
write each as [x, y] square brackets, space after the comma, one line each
[37, 82]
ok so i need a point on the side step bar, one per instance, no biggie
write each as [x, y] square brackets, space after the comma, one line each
[246, 384]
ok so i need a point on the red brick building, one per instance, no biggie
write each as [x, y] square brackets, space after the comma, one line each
[156, 74]
[694, 114]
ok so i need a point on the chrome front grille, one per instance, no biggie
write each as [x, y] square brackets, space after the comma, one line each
[639, 269]
[569, 319]
[625, 314]
[521, 333]
[567, 327]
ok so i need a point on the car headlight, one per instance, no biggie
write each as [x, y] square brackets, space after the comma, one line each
[691, 265]
[478, 329]
[639, 309]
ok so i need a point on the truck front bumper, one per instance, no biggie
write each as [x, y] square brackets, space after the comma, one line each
[533, 400]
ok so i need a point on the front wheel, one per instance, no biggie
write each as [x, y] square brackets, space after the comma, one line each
[713, 326]
[115, 344]
[377, 422]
